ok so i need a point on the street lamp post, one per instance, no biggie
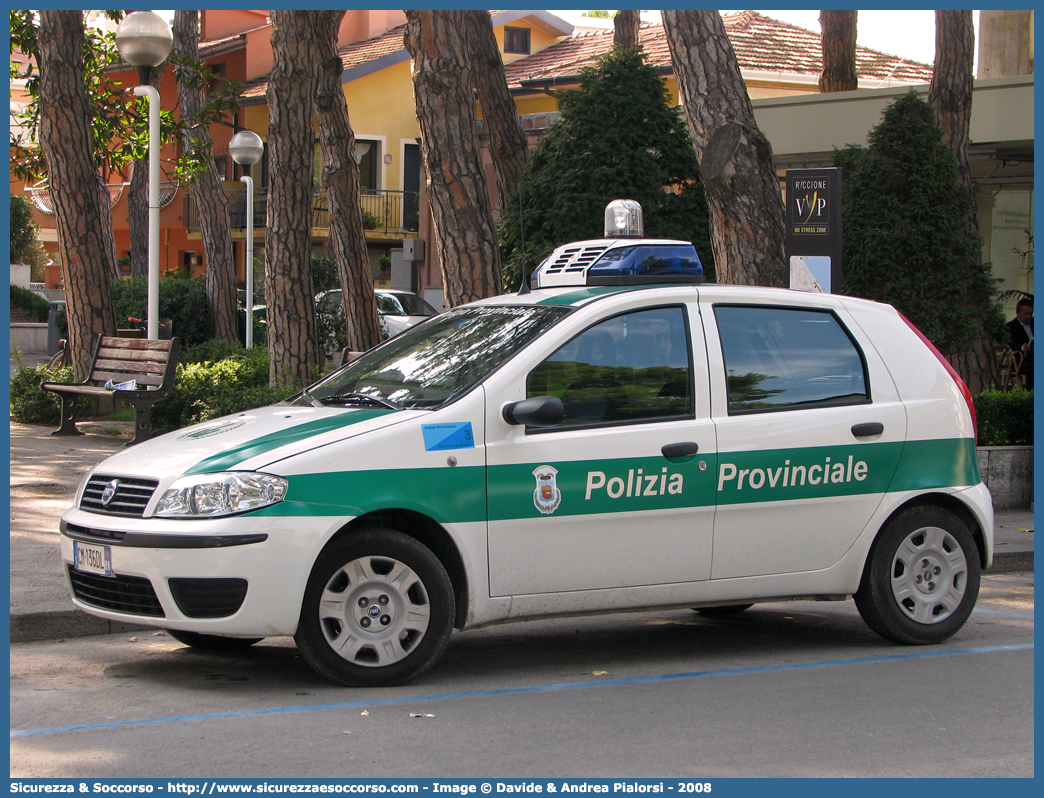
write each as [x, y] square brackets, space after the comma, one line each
[144, 40]
[246, 149]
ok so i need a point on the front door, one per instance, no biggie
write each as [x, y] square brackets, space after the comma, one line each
[621, 494]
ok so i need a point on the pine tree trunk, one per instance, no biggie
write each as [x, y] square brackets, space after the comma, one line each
[442, 85]
[138, 205]
[293, 346]
[83, 220]
[507, 142]
[341, 179]
[743, 193]
[950, 94]
[839, 51]
[626, 25]
[138, 218]
[211, 203]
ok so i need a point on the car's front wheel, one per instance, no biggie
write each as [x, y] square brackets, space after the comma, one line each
[378, 609]
[921, 579]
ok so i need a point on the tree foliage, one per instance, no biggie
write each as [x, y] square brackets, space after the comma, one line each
[23, 229]
[616, 138]
[906, 235]
[119, 124]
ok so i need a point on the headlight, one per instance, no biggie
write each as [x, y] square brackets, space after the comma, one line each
[211, 495]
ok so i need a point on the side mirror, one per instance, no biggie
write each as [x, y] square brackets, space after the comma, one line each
[540, 411]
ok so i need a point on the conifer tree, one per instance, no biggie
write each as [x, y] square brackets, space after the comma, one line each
[616, 138]
[906, 235]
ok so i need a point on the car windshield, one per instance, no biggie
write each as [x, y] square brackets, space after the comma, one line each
[434, 363]
[404, 305]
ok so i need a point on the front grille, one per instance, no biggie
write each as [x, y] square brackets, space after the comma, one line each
[132, 595]
[130, 497]
[575, 259]
[208, 598]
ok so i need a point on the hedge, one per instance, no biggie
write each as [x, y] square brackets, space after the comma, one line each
[184, 302]
[1005, 418]
[30, 301]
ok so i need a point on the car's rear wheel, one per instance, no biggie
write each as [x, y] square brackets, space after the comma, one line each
[213, 642]
[723, 611]
[378, 610]
[921, 579]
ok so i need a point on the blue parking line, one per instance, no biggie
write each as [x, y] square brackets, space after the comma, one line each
[1005, 613]
[523, 690]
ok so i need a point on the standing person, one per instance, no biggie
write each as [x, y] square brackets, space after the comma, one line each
[1020, 333]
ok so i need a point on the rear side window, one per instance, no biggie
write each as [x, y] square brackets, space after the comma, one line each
[629, 368]
[788, 358]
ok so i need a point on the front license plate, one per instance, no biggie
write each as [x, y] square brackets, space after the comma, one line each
[92, 558]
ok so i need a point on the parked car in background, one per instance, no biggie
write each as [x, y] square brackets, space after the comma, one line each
[398, 310]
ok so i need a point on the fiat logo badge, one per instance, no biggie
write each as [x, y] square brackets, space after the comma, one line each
[109, 493]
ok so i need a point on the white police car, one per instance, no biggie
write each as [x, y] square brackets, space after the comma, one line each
[620, 437]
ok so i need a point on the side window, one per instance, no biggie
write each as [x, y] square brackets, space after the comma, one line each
[788, 358]
[629, 368]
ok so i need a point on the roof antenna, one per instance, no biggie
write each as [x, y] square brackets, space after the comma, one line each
[524, 288]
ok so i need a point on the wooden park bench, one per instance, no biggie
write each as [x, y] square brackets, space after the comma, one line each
[150, 363]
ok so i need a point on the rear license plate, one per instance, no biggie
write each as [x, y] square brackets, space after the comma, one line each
[92, 558]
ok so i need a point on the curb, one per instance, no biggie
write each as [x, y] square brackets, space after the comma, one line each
[36, 627]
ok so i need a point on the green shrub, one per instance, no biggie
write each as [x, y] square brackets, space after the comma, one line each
[213, 379]
[32, 303]
[206, 388]
[1005, 418]
[324, 273]
[184, 302]
[30, 405]
[23, 229]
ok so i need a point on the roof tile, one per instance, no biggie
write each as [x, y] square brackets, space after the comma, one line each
[760, 43]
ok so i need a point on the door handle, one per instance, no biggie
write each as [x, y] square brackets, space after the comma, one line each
[686, 449]
[866, 430]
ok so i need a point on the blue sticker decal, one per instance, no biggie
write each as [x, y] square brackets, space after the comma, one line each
[441, 437]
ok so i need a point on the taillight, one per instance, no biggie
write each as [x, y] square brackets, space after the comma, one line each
[965, 391]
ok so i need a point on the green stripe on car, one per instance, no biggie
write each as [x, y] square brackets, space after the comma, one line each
[588, 487]
[223, 461]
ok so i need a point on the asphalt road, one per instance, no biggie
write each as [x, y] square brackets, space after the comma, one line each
[797, 689]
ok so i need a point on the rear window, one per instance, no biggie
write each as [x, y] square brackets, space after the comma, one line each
[788, 358]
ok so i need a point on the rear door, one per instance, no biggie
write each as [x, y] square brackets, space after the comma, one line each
[810, 429]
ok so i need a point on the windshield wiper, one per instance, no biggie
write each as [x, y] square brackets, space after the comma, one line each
[354, 398]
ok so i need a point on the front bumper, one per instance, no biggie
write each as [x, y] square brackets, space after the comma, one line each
[239, 575]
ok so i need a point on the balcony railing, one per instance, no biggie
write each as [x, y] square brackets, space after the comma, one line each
[385, 213]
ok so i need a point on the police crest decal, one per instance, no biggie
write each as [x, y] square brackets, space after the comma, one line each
[547, 496]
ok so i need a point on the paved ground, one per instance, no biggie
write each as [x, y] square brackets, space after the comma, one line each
[45, 472]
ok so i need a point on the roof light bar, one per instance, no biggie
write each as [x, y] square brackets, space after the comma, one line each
[622, 258]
